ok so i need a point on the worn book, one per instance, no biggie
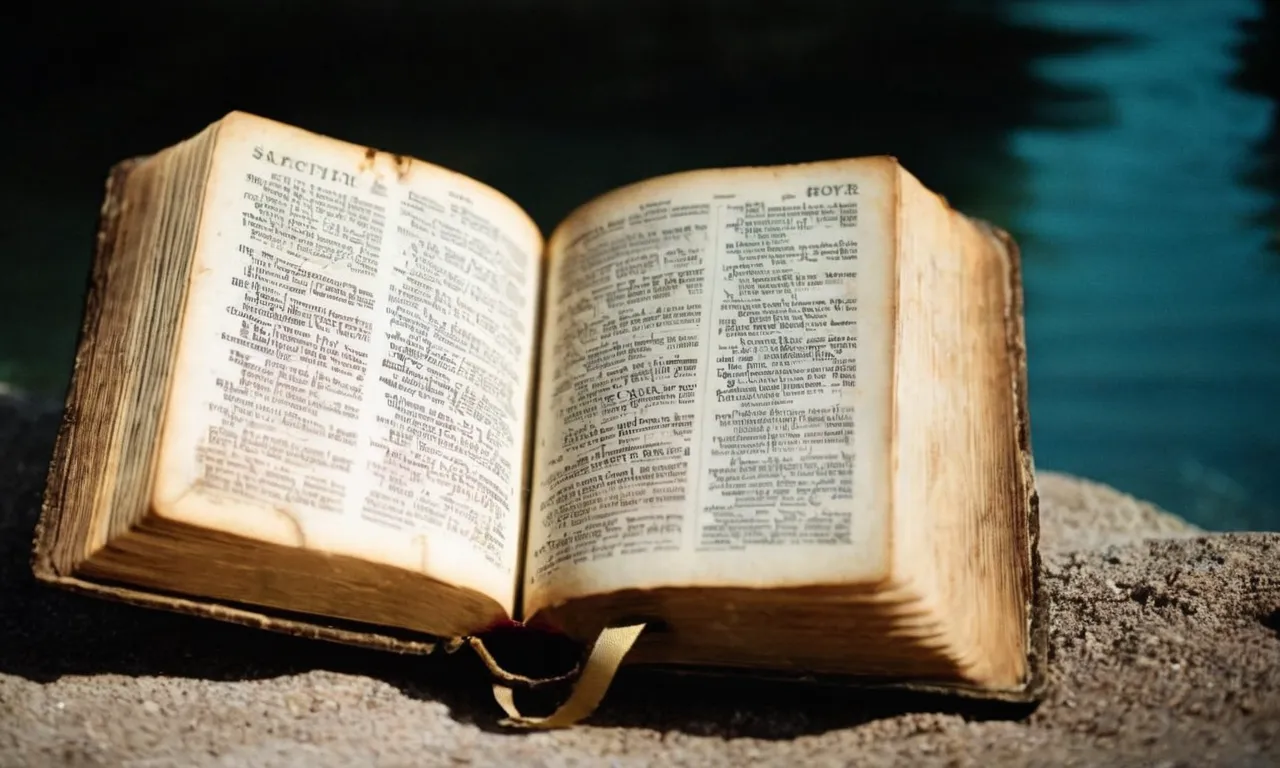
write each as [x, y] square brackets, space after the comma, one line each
[764, 420]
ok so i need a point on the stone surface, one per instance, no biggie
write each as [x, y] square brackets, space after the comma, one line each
[1165, 651]
[1082, 514]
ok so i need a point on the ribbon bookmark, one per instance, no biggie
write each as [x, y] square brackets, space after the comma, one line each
[597, 673]
[511, 678]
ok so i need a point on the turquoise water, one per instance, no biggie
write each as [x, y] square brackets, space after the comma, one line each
[1117, 140]
[1154, 317]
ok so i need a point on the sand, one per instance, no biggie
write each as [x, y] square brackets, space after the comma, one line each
[1165, 652]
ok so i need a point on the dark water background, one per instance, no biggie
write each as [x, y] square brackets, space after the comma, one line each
[1130, 146]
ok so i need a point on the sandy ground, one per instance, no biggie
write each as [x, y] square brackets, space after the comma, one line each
[1165, 652]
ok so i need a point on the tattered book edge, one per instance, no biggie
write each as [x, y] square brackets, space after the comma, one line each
[51, 513]
[246, 617]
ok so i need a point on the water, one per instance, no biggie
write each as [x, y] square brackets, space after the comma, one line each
[1154, 318]
[1117, 140]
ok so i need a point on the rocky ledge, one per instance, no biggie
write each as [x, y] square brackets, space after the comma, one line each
[1165, 651]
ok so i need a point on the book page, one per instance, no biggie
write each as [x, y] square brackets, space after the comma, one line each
[354, 368]
[715, 387]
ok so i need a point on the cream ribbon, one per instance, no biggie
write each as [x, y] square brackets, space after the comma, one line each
[597, 673]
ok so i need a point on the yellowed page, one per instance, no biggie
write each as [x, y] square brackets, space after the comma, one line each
[354, 368]
[715, 391]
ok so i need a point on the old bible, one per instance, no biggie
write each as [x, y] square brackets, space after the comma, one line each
[774, 418]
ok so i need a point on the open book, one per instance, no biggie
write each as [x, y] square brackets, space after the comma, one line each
[776, 415]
